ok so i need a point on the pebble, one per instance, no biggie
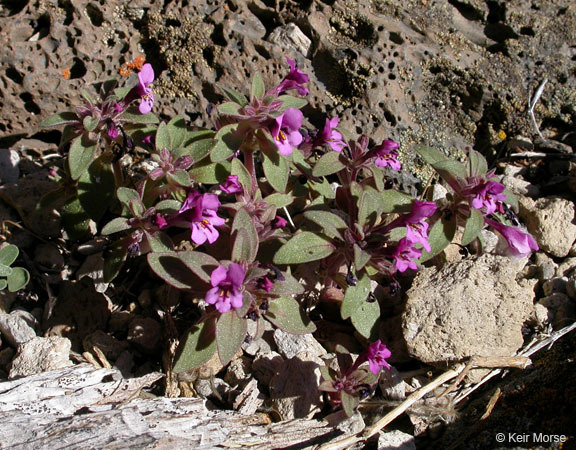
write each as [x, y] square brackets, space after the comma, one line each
[17, 328]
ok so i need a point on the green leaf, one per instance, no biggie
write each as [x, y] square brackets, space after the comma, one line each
[328, 164]
[8, 254]
[198, 150]
[3, 284]
[162, 140]
[288, 286]
[355, 296]
[159, 242]
[74, 219]
[378, 176]
[285, 313]
[366, 319]
[183, 270]
[235, 96]
[230, 334]
[395, 201]
[133, 116]
[370, 206]
[96, 187]
[210, 173]
[279, 200]
[330, 223]
[258, 89]
[304, 247]
[238, 169]
[179, 177]
[474, 225]
[323, 189]
[130, 199]
[5, 270]
[511, 199]
[450, 170]
[439, 236]
[90, 123]
[228, 142]
[65, 118]
[198, 347]
[430, 155]
[18, 279]
[276, 170]
[113, 262]
[361, 257]
[245, 236]
[68, 133]
[168, 206]
[177, 132]
[349, 403]
[229, 108]
[477, 164]
[80, 156]
[291, 102]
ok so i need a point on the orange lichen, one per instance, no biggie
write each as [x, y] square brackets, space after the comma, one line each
[66, 74]
[136, 64]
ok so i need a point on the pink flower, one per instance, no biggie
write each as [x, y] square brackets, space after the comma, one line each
[266, 284]
[231, 185]
[294, 80]
[279, 222]
[520, 244]
[226, 287]
[486, 194]
[285, 130]
[145, 78]
[199, 213]
[416, 228]
[112, 130]
[405, 254]
[330, 136]
[386, 155]
[376, 355]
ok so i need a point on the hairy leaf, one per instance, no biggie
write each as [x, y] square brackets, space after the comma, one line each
[304, 247]
[328, 164]
[366, 318]
[439, 236]
[64, 118]
[210, 173]
[80, 156]
[474, 225]
[258, 90]
[96, 187]
[230, 334]
[276, 170]
[8, 254]
[355, 296]
[17, 279]
[285, 313]
[198, 347]
[331, 224]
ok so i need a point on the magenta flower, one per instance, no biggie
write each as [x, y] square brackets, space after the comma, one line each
[112, 130]
[294, 80]
[405, 256]
[330, 136]
[520, 244]
[167, 164]
[266, 284]
[416, 228]
[279, 222]
[285, 130]
[226, 287]
[376, 355]
[231, 185]
[199, 213]
[145, 78]
[387, 155]
[159, 221]
[486, 195]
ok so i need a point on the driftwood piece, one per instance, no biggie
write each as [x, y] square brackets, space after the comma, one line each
[89, 408]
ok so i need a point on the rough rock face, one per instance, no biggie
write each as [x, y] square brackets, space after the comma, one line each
[550, 220]
[471, 307]
[451, 73]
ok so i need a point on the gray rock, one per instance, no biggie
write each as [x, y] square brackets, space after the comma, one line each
[238, 370]
[546, 266]
[554, 285]
[520, 187]
[567, 267]
[211, 387]
[473, 307]
[249, 399]
[290, 36]
[9, 171]
[392, 385]
[396, 440]
[41, 354]
[349, 425]
[561, 309]
[291, 345]
[17, 327]
[550, 221]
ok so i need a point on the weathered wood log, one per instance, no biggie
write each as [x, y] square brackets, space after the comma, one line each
[89, 408]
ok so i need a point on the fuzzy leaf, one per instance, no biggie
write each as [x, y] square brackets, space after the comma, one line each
[159, 242]
[291, 102]
[245, 247]
[179, 177]
[258, 89]
[17, 279]
[366, 318]
[431, 155]
[90, 123]
[228, 142]
[279, 200]
[177, 132]
[198, 150]
[129, 197]
[162, 140]
[370, 206]
[3, 284]
[115, 226]
[235, 96]
[474, 225]
[238, 169]
[96, 187]
[80, 156]
[395, 201]
[230, 334]
[511, 199]
[477, 165]
[198, 347]
[8, 255]
[450, 170]
[330, 223]
[181, 270]
[288, 286]
[74, 219]
[439, 236]
[132, 115]
[210, 173]
[328, 164]
[5, 270]
[361, 257]
[64, 118]
[113, 262]
[229, 108]
[355, 296]
[304, 247]
[276, 170]
[285, 313]
[323, 189]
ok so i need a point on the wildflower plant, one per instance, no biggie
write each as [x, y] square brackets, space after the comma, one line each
[13, 278]
[231, 215]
